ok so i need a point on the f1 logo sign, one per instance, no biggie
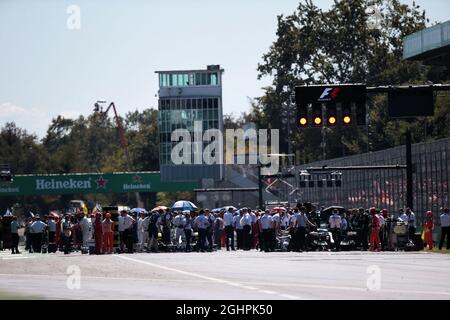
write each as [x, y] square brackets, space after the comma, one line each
[330, 94]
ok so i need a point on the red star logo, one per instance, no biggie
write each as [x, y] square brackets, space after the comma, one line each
[137, 178]
[101, 183]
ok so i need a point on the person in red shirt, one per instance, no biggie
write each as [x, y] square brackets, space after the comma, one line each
[429, 227]
[375, 234]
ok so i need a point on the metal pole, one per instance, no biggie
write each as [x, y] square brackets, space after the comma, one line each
[324, 143]
[260, 186]
[409, 171]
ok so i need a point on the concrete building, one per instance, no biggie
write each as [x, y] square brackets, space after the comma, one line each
[186, 96]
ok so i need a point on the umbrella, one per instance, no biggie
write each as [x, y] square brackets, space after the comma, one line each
[164, 208]
[330, 209]
[138, 210]
[53, 214]
[326, 213]
[7, 213]
[184, 205]
[278, 209]
[228, 207]
[216, 210]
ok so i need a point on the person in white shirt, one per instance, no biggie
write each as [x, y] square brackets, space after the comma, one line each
[179, 222]
[238, 227]
[275, 229]
[120, 229]
[128, 223]
[218, 231]
[86, 229]
[142, 230]
[187, 229]
[202, 224]
[51, 229]
[285, 220]
[410, 218]
[246, 223]
[15, 236]
[301, 222]
[445, 228]
[228, 221]
[255, 232]
[276, 222]
[265, 227]
[335, 222]
[210, 230]
[38, 228]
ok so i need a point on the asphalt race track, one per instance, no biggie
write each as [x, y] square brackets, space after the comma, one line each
[227, 276]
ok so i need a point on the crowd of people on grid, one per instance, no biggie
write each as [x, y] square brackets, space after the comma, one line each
[231, 229]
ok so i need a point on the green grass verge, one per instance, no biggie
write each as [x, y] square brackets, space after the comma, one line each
[15, 296]
[436, 250]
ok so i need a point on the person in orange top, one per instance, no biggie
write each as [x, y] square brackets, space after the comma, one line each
[108, 234]
[429, 227]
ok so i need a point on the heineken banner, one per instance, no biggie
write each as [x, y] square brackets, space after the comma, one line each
[91, 183]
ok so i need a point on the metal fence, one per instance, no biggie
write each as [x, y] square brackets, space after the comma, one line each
[387, 188]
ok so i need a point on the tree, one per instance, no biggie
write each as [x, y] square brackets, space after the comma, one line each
[341, 45]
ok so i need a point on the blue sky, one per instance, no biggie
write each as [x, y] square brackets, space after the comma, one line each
[47, 69]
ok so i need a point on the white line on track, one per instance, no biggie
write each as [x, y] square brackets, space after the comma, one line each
[196, 275]
[268, 292]
[288, 296]
[249, 288]
[17, 258]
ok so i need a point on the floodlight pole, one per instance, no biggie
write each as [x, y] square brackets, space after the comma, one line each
[409, 170]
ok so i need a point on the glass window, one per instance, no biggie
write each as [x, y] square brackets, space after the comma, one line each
[205, 104]
[204, 79]
[210, 103]
[216, 103]
[188, 104]
[185, 79]
[198, 79]
[213, 79]
[174, 80]
[191, 79]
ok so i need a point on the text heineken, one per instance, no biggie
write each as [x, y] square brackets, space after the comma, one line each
[137, 186]
[42, 184]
